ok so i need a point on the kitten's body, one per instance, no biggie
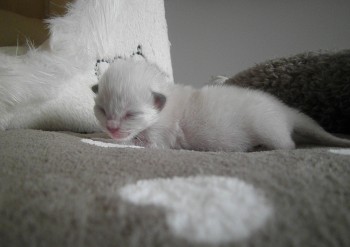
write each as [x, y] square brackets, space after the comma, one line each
[131, 107]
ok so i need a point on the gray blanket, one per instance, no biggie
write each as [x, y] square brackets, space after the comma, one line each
[56, 190]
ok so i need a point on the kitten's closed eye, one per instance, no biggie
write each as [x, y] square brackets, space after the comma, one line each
[101, 109]
[132, 114]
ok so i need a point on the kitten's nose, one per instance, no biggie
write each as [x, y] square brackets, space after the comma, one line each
[112, 126]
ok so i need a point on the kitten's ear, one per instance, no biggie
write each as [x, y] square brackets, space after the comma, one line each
[159, 100]
[94, 88]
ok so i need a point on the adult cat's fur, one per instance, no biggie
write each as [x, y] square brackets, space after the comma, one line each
[49, 88]
[316, 83]
[134, 103]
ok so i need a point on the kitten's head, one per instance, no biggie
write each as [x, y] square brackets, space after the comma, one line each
[126, 102]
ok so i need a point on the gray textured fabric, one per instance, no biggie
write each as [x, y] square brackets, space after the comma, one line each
[58, 191]
[316, 83]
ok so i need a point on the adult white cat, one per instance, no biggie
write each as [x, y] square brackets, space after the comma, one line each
[134, 103]
[49, 88]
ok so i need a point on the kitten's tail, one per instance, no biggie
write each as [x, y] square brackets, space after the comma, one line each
[308, 131]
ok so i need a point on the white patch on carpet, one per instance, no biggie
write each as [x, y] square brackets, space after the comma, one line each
[204, 209]
[343, 151]
[107, 144]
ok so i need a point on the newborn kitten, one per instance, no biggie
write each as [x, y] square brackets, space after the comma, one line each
[135, 103]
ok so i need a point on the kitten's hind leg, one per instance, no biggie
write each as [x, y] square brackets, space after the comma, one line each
[276, 137]
[286, 143]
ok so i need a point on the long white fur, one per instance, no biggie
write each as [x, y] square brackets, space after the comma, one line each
[49, 87]
[213, 118]
[35, 82]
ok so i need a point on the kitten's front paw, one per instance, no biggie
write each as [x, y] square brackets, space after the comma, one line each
[139, 142]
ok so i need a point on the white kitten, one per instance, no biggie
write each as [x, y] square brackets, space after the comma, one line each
[135, 104]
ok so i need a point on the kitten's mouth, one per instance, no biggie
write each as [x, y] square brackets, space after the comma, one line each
[117, 134]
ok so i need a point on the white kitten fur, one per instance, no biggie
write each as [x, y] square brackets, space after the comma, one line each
[213, 118]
